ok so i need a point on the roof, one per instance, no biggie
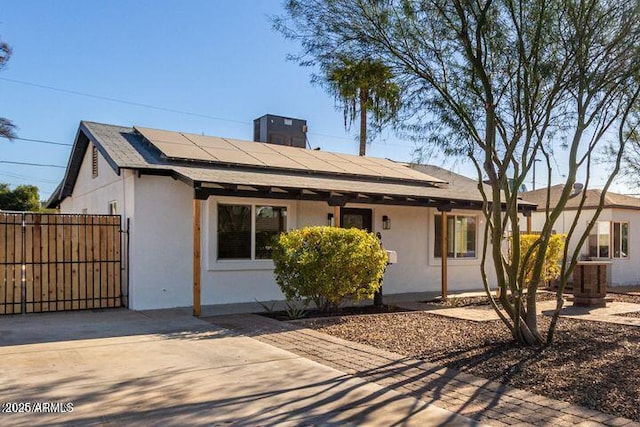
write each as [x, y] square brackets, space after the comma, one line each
[222, 166]
[611, 200]
[454, 180]
[215, 150]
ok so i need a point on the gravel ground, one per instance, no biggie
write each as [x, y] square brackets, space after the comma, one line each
[591, 364]
[454, 301]
[635, 314]
[627, 298]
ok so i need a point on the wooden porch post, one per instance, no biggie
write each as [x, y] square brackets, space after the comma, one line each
[196, 257]
[445, 251]
[529, 224]
[336, 216]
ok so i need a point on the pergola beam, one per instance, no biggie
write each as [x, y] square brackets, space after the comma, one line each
[197, 217]
[443, 209]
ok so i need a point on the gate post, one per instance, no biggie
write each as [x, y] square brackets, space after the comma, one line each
[23, 267]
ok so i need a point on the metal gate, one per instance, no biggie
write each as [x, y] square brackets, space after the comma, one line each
[57, 262]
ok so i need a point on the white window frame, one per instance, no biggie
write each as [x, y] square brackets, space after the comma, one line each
[611, 225]
[454, 258]
[613, 249]
[246, 263]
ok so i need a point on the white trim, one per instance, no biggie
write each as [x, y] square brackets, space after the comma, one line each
[454, 261]
[611, 240]
[214, 264]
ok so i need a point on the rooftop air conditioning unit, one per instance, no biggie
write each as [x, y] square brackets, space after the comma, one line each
[280, 131]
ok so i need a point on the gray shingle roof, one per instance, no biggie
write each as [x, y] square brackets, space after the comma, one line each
[461, 183]
[124, 148]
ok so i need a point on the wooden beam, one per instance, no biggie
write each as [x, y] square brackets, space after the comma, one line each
[336, 216]
[196, 257]
[445, 251]
[529, 224]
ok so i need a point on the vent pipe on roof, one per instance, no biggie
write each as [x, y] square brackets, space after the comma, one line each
[280, 130]
[577, 188]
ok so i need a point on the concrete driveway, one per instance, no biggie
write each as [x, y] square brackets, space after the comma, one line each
[167, 368]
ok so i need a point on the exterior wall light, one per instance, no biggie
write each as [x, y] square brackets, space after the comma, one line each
[330, 220]
[386, 222]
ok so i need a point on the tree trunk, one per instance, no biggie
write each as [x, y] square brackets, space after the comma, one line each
[364, 97]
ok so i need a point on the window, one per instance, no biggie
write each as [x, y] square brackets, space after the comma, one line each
[234, 232]
[461, 236]
[113, 207]
[247, 231]
[270, 221]
[94, 161]
[621, 240]
[609, 240]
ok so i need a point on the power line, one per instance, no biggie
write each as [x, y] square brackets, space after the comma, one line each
[40, 141]
[121, 101]
[29, 178]
[17, 182]
[154, 107]
[33, 164]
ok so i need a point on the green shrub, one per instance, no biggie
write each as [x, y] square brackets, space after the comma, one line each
[327, 264]
[552, 258]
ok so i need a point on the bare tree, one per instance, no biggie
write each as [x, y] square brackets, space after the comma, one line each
[503, 83]
[7, 128]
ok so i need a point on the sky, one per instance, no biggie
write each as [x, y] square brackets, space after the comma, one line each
[199, 66]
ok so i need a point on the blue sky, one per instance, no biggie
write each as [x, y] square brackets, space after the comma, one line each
[219, 59]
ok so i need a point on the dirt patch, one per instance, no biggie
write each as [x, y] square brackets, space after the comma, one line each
[341, 311]
[590, 364]
[634, 314]
[624, 297]
[476, 301]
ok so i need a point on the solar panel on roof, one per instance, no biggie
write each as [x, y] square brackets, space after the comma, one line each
[209, 142]
[178, 146]
[355, 168]
[276, 160]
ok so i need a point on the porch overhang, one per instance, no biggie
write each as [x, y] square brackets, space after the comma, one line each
[333, 191]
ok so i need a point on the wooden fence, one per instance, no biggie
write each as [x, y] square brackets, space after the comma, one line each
[56, 262]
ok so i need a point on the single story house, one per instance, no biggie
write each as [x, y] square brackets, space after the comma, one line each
[202, 209]
[611, 239]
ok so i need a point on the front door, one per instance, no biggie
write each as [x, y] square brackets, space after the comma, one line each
[360, 218]
[356, 218]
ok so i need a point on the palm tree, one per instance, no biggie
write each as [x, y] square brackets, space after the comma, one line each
[363, 86]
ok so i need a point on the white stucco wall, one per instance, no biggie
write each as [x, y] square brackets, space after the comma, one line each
[411, 235]
[623, 271]
[160, 210]
[161, 257]
[161, 242]
[94, 194]
[233, 281]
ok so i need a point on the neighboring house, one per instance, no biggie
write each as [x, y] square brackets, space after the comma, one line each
[242, 193]
[614, 238]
